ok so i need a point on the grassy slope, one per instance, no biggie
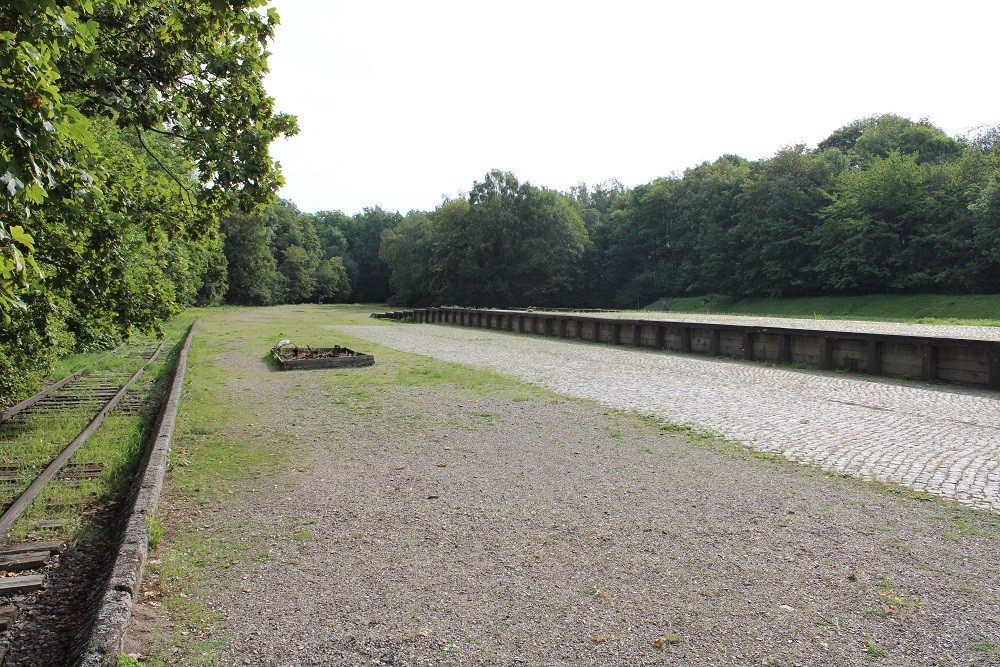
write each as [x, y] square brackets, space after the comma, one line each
[925, 308]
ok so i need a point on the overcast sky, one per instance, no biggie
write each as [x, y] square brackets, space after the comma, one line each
[402, 103]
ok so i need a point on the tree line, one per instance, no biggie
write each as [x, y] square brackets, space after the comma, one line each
[286, 256]
[883, 205]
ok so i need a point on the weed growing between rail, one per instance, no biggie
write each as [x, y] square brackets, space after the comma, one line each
[117, 447]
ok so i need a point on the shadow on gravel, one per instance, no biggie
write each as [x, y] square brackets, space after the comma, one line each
[270, 362]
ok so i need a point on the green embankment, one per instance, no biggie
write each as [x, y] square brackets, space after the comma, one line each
[924, 308]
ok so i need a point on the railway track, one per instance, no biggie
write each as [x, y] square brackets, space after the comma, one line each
[53, 471]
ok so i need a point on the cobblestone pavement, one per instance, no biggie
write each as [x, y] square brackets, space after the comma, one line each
[942, 440]
[857, 326]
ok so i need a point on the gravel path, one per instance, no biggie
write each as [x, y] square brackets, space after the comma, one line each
[944, 441]
[448, 529]
[857, 326]
[434, 518]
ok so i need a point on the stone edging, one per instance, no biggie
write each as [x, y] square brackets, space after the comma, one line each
[107, 635]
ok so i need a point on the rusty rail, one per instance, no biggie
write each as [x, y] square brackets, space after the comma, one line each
[20, 505]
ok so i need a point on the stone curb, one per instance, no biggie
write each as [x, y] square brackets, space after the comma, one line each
[107, 635]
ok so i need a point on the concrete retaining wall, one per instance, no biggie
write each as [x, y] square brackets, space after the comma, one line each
[108, 632]
[957, 361]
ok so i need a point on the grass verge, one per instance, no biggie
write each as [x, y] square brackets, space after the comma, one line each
[980, 309]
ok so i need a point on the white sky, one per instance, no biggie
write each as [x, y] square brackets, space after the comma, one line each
[401, 103]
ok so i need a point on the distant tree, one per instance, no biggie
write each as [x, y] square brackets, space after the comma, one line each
[298, 271]
[407, 249]
[332, 228]
[198, 271]
[296, 248]
[874, 237]
[979, 180]
[983, 273]
[252, 268]
[332, 283]
[596, 205]
[674, 236]
[778, 212]
[710, 193]
[451, 268]
[554, 239]
[877, 136]
[209, 262]
[368, 273]
[510, 244]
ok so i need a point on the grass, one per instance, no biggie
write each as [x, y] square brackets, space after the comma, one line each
[154, 527]
[116, 446]
[987, 649]
[923, 308]
[874, 651]
[910, 493]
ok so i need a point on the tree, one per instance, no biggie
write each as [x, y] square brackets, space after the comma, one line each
[508, 244]
[253, 271]
[208, 278]
[369, 275]
[332, 228]
[112, 265]
[449, 263]
[119, 262]
[407, 250]
[871, 230]
[296, 247]
[189, 69]
[653, 242]
[553, 241]
[877, 136]
[778, 212]
[596, 206]
[332, 283]
[299, 273]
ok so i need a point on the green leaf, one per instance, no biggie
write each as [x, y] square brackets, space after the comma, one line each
[18, 234]
[34, 193]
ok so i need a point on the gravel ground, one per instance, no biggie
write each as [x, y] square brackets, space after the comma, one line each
[930, 438]
[445, 527]
[54, 626]
[858, 326]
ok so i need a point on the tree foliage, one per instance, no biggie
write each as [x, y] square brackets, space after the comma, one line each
[187, 69]
[127, 128]
[252, 268]
[407, 249]
[507, 243]
[883, 205]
